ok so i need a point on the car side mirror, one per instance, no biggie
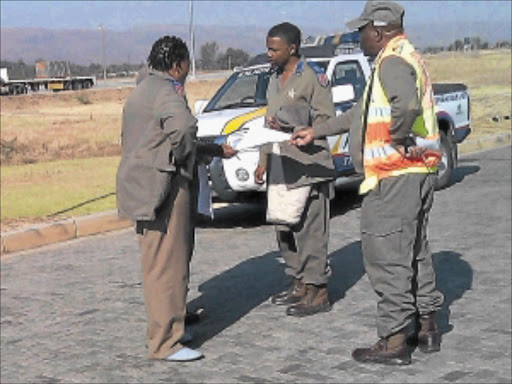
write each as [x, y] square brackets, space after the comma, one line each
[341, 93]
[200, 105]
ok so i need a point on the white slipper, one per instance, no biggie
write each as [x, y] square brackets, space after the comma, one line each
[185, 354]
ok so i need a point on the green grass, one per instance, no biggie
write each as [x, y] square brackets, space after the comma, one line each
[43, 189]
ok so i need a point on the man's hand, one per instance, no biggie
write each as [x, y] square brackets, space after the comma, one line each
[303, 137]
[410, 152]
[274, 124]
[228, 151]
[259, 173]
[417, 152]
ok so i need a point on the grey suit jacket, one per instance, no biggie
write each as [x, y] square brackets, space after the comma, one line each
[158, 141]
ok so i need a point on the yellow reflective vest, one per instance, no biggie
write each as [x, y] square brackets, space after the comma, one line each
[381, 159]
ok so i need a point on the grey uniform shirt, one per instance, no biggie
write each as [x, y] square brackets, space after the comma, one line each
[304, 91]
[398, 79]
[303, 88]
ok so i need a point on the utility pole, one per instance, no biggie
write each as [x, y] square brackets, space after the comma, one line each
[103, 51]
[191, 38]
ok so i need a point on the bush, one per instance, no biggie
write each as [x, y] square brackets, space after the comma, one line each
[84, 99]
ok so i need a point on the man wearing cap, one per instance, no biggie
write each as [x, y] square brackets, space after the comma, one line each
[398, 137]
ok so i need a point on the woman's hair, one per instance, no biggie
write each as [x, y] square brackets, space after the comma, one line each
[166, 51]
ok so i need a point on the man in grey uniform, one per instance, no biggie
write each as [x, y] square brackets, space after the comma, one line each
[295, 86]
[398, 102]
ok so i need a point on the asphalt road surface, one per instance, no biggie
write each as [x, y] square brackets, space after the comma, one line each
[73, 312]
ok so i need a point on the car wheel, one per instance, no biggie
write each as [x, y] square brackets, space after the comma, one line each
[445, 167]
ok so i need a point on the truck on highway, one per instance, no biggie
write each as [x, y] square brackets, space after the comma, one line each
[236, 113]
[50, 76]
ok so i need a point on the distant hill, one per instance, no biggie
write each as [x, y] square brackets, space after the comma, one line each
[84, 46]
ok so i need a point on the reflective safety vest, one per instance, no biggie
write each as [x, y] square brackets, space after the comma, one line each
[382, 160]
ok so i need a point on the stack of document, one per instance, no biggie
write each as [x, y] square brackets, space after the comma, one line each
[255, 138]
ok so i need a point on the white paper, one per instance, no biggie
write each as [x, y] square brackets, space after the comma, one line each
[204, 198]
[257, 137]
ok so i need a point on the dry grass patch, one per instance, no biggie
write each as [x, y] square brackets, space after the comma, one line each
[488, 74]
[48, 127]
[85, 125]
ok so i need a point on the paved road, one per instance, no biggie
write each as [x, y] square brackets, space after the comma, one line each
[73, 312]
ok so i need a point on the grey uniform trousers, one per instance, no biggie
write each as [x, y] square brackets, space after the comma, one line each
[165, 254]
[396, 252]
[303, 246]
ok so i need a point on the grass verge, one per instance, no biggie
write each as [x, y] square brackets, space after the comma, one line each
[66, 188]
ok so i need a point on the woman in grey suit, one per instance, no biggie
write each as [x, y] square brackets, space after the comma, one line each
[155, 182]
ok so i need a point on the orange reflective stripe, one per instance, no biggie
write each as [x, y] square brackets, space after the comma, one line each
[380, 158]
[378, 131]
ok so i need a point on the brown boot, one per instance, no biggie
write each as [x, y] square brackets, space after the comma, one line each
[316, 300]
[391, 351]
[292, 295]
[429, 338]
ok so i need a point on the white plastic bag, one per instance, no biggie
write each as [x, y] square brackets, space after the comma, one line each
[284, 206]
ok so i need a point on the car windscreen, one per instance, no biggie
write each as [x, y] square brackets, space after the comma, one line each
[243, 89]
[349, 72]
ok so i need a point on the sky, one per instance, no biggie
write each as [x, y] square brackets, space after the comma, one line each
[331, 15]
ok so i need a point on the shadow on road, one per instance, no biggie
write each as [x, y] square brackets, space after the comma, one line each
[344, 201]
[454, 277]
[246, 215]
[462, 171]
[347, 269]
[229, 296]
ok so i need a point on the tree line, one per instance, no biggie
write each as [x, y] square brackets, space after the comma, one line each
[468, 44]
[20, 70]
[210, 59]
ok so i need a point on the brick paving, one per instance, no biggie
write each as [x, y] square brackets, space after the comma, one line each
[73, 312]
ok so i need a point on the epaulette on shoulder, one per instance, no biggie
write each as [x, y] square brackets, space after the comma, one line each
[320, 74]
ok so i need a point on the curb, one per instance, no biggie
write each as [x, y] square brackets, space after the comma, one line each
[62, 231]
[110, 221]
[485, 142]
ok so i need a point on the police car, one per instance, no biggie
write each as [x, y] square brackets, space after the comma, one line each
[236, 113]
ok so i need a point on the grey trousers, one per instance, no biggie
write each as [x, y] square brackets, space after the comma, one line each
[165, 255]
[304, 245]
[396, 252]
